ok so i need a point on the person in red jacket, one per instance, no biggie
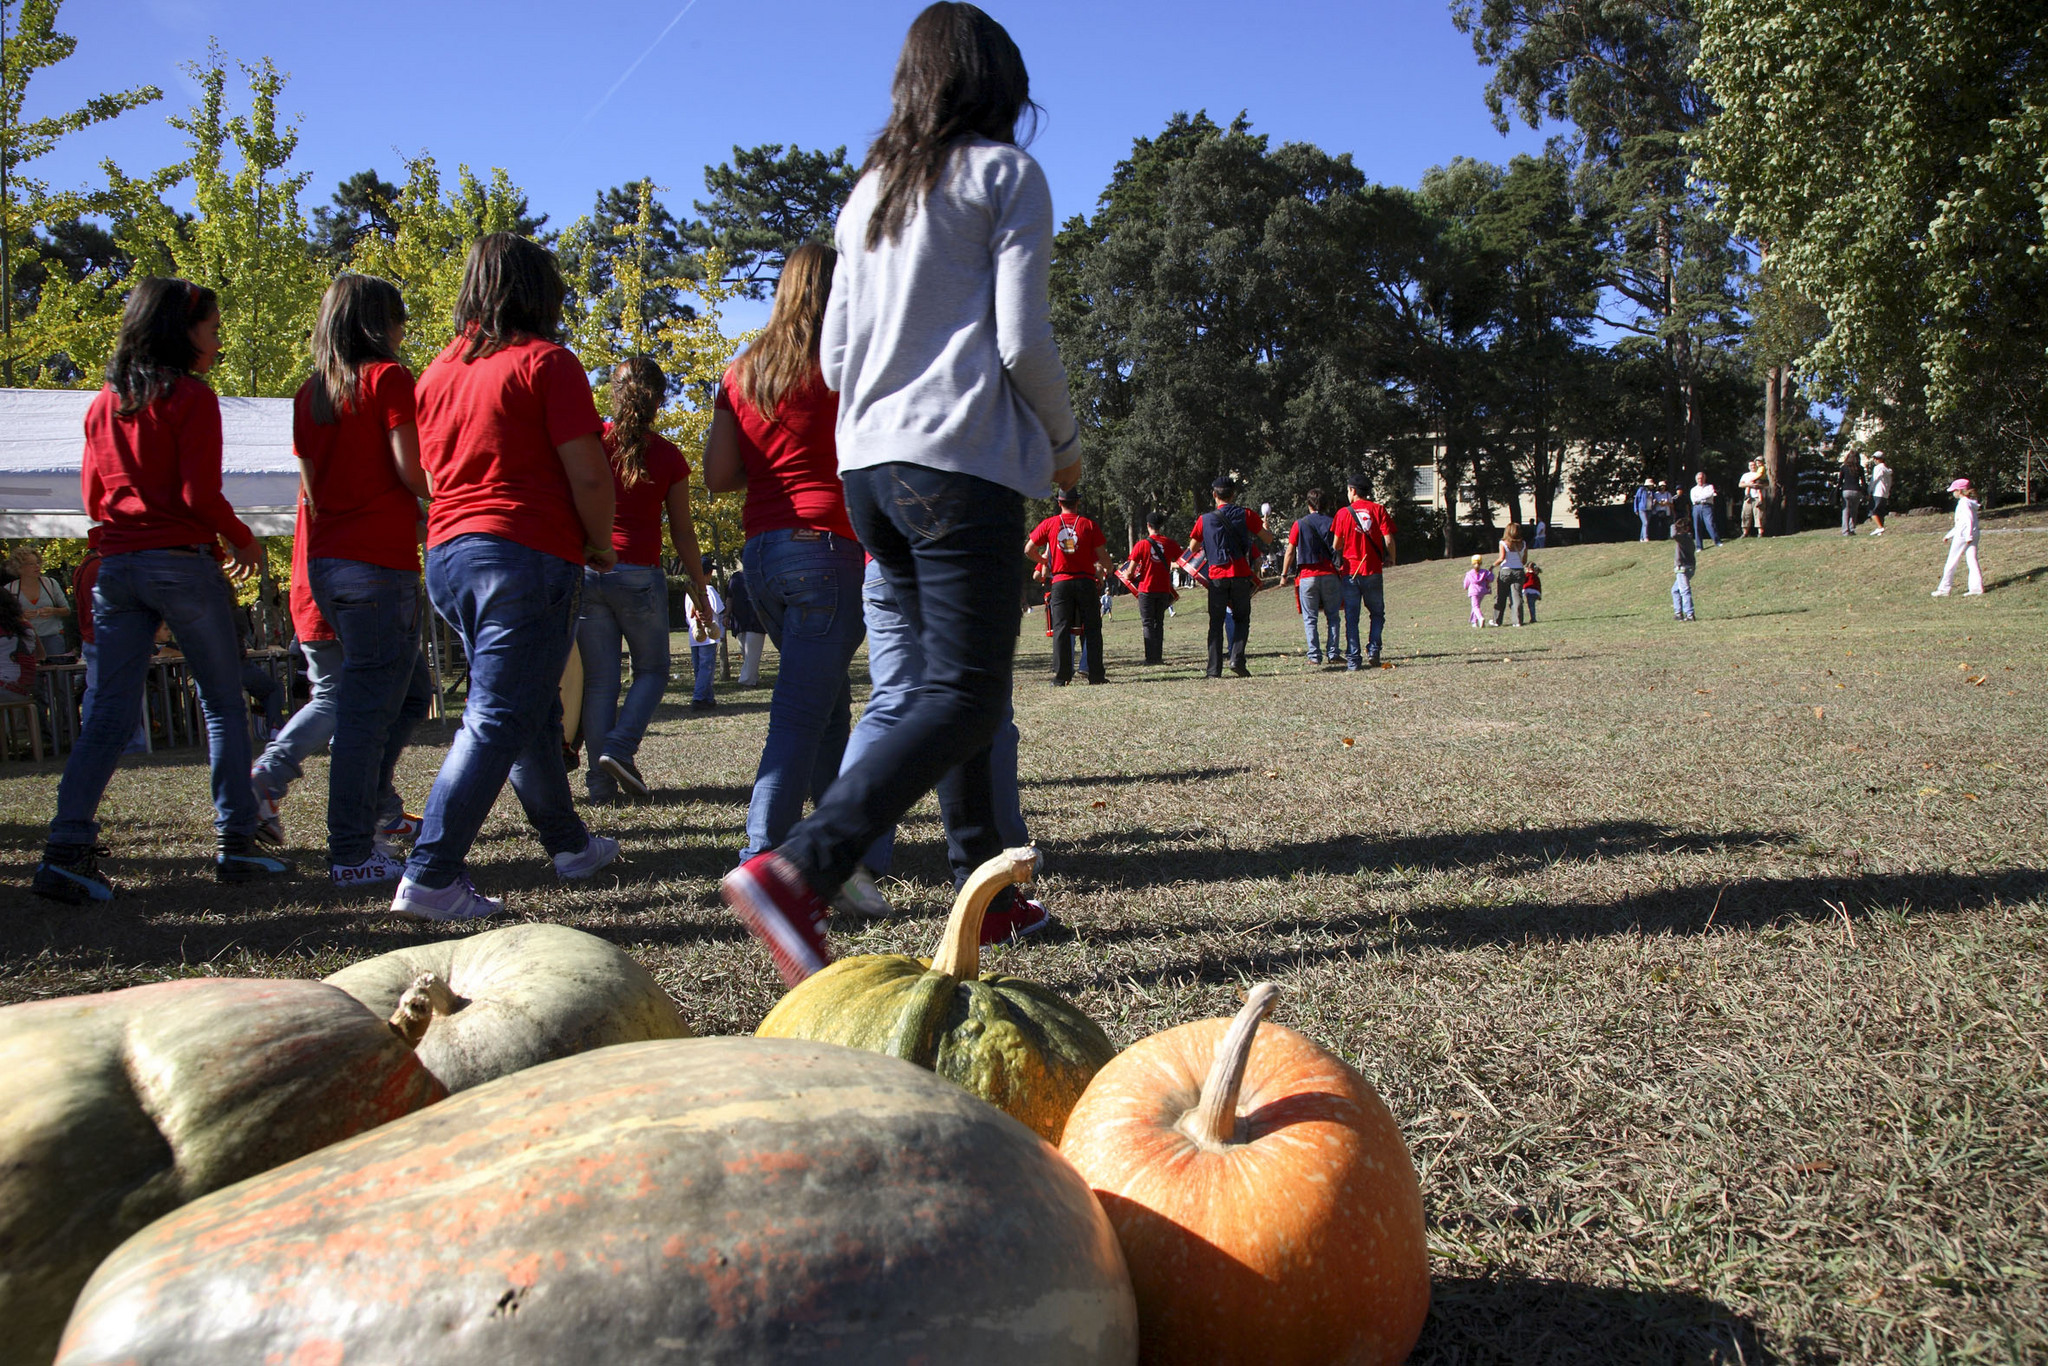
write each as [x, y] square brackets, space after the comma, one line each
[1231, 538]
[1072, 548]
[151, 478]
[522, 500]
[1151, 563]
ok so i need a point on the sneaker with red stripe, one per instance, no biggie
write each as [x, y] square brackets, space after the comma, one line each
[779, 908]
[1021, 919]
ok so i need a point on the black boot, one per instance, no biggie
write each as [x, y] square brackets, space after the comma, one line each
[237, 860]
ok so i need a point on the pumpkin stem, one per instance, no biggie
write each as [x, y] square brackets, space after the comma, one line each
[959, 951]
[1213, 1121]
[427, 997]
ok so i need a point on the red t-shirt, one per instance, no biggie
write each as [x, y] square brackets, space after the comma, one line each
[1153, 560]
[1309, 571]
[1361, 555]
[1074, 541]
[307, 623]
[792, 460]
[152, 479]
[366, 512]
[1241, 567]
[488, 433]
[636, 526]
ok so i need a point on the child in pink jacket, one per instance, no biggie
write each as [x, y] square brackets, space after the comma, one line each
[1478, 583]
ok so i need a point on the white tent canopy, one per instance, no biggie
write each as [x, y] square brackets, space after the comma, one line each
[42, 444]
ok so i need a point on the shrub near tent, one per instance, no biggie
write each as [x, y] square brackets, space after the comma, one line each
[716, 1200]
[1268, 1209]
[1015, 1044]
[521, 996]
[117, 1108]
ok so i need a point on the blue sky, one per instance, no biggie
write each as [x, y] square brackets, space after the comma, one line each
[523, 85]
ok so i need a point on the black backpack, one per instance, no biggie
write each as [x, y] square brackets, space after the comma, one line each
[1224, 536]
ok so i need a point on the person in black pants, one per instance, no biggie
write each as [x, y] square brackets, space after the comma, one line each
[1077, 556]
[1227, 534]
[1151, 564]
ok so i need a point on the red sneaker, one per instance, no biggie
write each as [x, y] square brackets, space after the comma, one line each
[1023, 919]
[779, 908]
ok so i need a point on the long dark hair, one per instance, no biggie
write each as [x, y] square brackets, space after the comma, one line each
[960, 75]
[785, 356]
[358, 314]
[511, 287]
[155, 348]
[638, 387]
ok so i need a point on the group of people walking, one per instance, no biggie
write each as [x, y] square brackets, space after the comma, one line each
[887, 428]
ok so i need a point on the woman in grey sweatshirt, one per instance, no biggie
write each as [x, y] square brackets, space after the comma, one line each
[953, 410]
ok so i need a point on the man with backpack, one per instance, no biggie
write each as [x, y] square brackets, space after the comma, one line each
[1364, 536]
[1313, 554]
[1151, 582]
[1073, 549]
[1227, 534]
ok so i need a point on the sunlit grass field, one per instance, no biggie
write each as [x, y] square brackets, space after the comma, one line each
[1705, 967]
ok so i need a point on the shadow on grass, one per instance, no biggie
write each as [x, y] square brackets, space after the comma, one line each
[1527, 1320]
[1080, 781]
[2034, 575]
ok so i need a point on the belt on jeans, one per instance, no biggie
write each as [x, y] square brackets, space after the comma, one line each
[811, 533]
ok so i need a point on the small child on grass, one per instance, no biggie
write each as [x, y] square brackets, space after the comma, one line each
[1532, 590]
[1478, 583]
[1684, 562]
[704, 640]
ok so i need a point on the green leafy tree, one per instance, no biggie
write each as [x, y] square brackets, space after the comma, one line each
[37, 342]
[765, 203]
[1894, 158]
[360, 207]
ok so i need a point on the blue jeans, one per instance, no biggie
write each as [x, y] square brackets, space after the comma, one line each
[807, 593]
[703, 669]
[90, 652]
[896, 671]
[381, 697]
[514, 609]
[282, 762]
[1703, 524]
[1681, 594]
[947, 543]
[1370, 592]
[629, 604]
[1644, 515]
[136, 592]
[1321, 595]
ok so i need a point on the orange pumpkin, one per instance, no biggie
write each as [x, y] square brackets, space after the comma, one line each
[1269, 1212]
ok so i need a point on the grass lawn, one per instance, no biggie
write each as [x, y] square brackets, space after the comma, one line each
[1705, 967]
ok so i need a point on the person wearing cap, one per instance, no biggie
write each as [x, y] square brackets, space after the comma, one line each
[1227, 534]
[1073, 550]
[1962, 543]
[1752, 486]
[1151, 563]
[1880, 490]
[1364, 534]
[1645, 499]
[1320, 588]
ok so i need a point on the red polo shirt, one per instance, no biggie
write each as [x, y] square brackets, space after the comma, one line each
[1074, 544]
[1362, 553]
[1153, 559]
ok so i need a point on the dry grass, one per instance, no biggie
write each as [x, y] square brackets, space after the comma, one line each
[1705, 967]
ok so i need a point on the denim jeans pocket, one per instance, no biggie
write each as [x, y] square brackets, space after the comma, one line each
[810, 602]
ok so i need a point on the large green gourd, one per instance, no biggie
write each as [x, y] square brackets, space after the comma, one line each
[120, 1107]
[1017, 1045]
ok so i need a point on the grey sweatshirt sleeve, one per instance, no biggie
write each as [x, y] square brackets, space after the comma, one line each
[832, 335]
[1021, 246]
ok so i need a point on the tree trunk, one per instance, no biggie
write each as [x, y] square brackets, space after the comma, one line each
[1782, 510]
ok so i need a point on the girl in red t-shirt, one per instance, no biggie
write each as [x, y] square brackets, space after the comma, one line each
[151, 478]
[772, 435]
[356, 433]
[522, 501]
[629, 601]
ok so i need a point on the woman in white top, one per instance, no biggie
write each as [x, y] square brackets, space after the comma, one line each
[1507, 573]
[1962, 543]
[42, 601]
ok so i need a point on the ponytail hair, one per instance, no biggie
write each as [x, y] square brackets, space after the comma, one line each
[638, 388]
[155, 346]
[358, 315]
[960, 75]
[511, 288]
[784, 357]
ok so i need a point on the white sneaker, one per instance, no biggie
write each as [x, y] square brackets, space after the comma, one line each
[1973, 593]
[379, 867]
[861, 898]
[459, 900]
[1939, 593]
[594, 855]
